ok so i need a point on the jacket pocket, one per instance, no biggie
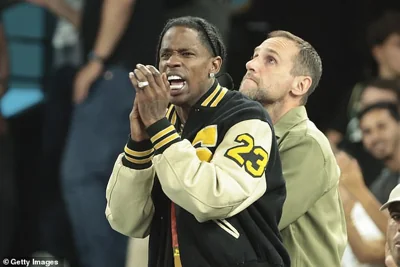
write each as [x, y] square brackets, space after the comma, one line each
[227, 227]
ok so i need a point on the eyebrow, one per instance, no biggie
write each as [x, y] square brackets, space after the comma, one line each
[269, 50]
[272, 51]
[179, 50]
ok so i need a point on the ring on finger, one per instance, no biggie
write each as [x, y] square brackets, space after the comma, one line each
[142, 84]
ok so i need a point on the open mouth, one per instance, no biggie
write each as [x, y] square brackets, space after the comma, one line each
[176, 82]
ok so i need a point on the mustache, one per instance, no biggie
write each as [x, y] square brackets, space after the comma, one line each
[250, 76]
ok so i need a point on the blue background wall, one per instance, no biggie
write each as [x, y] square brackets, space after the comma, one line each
[28, 34]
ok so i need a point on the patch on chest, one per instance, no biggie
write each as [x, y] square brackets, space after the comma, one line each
[205, 138]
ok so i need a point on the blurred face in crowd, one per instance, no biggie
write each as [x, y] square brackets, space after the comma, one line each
[388, 54]
[380, 133]
[269, 79]
[372, 95]
[187, 63]
[393, 231]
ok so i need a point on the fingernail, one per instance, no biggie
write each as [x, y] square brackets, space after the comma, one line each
[138, 65]
[131, 75]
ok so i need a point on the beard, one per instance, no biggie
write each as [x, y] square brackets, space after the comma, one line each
[260, 95]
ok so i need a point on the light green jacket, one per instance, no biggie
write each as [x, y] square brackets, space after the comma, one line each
[313, 225]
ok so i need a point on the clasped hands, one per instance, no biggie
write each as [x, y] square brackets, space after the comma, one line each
[151, 101]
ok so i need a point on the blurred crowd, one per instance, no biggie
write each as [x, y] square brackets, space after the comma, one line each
[84, 125]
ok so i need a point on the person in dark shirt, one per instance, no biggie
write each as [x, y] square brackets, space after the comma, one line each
[380, 126]
[383, 37]
[375, 90]
[201, 172]
[115, 34]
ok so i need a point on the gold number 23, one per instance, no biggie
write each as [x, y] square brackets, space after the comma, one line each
[253, 158]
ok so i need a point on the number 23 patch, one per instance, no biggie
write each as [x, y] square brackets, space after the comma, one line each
[254, 159]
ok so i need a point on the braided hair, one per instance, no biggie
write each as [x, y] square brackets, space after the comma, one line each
[208, 33]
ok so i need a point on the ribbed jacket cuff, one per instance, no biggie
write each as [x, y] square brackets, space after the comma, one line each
[138, 155]
[162, 134]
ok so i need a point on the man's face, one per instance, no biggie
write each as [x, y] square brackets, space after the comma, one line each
[393, 231]
[372, 95]
[184, 58]
[388, 54]
[380, 133]
[268, 78]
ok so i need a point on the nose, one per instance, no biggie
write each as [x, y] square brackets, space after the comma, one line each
[173, 61]
[250, 65]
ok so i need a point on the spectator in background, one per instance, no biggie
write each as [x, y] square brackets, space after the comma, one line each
[380, 126]
[376, 90]
[55, 235]
[283, 72]
[383, 36]
[366, 225]
[7, 193]
[393, 231]
[113, 39]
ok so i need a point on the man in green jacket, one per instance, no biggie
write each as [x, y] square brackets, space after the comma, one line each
[282, 73]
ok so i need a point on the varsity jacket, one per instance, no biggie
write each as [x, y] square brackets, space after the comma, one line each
[220, 175]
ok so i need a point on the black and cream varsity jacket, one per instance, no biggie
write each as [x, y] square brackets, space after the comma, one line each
[222, 172]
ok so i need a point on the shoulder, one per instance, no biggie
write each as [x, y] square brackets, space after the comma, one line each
[307, 152]
[236, 107]
[306, 141]
[307, 134]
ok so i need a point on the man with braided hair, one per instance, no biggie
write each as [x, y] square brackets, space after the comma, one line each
[203, 179]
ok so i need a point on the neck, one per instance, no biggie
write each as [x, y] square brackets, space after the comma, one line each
[183, 111]
[394, 162]
[386, 73]
[278, 109]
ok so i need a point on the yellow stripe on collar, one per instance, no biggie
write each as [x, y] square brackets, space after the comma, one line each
[207, 101]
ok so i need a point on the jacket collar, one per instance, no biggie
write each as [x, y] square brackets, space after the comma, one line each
[289, 120]
[212, 97]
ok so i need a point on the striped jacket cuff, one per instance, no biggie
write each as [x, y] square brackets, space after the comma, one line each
[162, 135]
[138, 155]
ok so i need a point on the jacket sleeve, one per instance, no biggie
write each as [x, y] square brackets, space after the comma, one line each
[308, 175]
[129, 207]
[216, 186]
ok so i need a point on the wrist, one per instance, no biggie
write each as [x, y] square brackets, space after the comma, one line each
[162, 134]
[95, 57]
[138, 155]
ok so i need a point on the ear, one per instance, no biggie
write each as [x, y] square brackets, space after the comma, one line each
[216, 65]
[301, 85]
[377, 53]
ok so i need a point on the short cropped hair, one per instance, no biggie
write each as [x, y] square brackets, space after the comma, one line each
[391, 85]
[307, 61]
[390, 107]
[380, 29]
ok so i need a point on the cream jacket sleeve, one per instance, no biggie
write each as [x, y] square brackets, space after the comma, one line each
[130, 207]
[213, 186]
